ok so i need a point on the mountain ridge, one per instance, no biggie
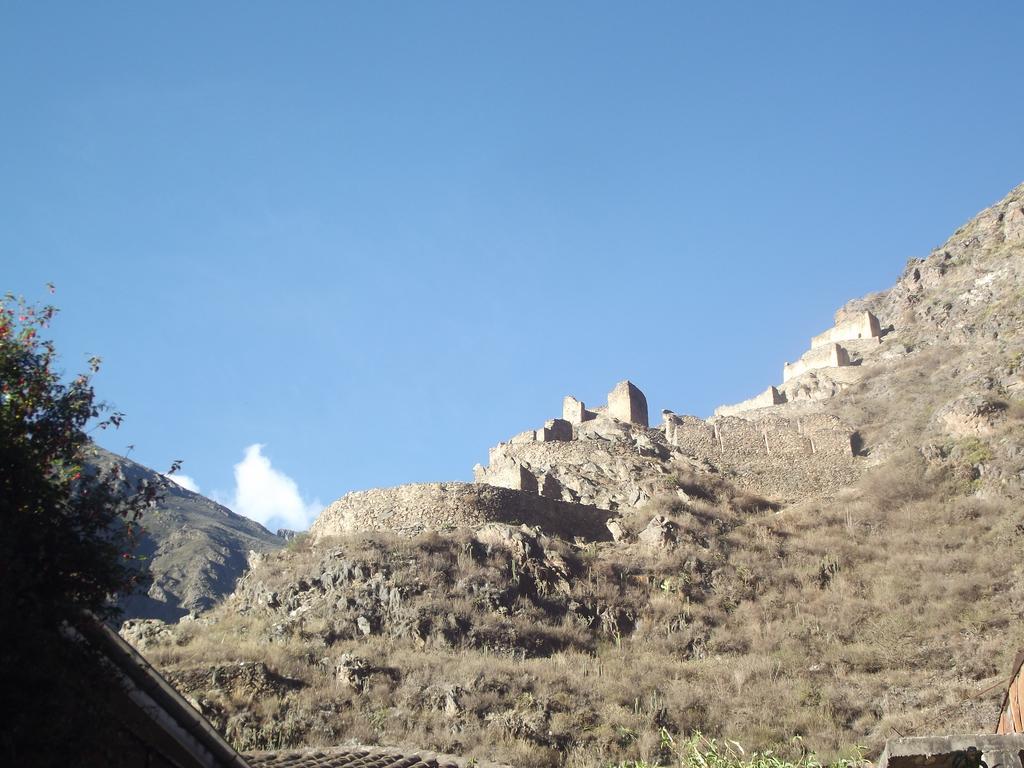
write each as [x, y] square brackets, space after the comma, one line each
[193, 548]
[731, 598]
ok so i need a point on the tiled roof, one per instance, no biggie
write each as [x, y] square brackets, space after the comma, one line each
[357, 757]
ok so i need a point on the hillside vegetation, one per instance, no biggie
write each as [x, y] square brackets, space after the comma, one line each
[824, 627]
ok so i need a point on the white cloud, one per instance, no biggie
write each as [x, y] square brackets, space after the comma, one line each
[184, 481]
[269, 496]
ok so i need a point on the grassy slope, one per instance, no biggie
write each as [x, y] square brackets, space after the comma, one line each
[838, 620]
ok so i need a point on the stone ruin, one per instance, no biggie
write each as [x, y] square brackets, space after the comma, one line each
[575, 412]
[826, 352]
[766, 399]
[565, 474]
[577, 458]
[408, 510]
[854, 332]
[611, 458]
[625, 402]
[829, 355]
[850, 326]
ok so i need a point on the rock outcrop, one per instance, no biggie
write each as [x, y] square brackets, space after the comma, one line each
[968, 290]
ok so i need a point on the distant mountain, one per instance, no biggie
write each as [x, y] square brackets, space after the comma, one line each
[196, 549]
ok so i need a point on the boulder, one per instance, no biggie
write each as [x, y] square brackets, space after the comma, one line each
[617, 531]
[145, 633]
[660, 533]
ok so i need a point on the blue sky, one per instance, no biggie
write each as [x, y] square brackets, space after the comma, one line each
[377, 238]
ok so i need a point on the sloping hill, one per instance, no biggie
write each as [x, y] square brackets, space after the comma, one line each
[196, 549]
[887, 598]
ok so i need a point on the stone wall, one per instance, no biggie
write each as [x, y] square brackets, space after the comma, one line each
[412, 509]
[554, 430]
[849, 325]
[822, 384]
[772, 435]
[574, 411]
[528, 436]
[778, 457]
[627, 403]
[828, 356]
[506, 474]
[766, 399]
[858, 349]
[611, 464]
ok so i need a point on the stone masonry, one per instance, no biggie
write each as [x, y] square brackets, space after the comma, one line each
[627, 403]
[780, 458]
[566, 476]
[554, 430]
[860, 334]
[614, 463]
[411, 509]
[607, 457]
[766, 399]
[823, 356]
[610, 464]
[848, 327]
[575, 412]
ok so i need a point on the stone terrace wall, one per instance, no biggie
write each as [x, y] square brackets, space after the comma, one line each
[780, 458]
[849, 326]
[414, 508]
[766, 399]
[828, 356]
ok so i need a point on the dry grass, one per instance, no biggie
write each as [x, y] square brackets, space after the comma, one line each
[836, 623]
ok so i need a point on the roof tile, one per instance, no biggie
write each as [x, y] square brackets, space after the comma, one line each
[358, 757]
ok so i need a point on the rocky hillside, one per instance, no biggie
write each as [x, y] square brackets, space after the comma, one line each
[834, 559]
[196, 549]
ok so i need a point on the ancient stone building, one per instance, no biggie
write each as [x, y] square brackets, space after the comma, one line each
[766, 399]
[627, 403]
[410, 509]
[829, 355]
[506, 474]
[860, 334]
[554, 430]
[575, 412]
[858, 329]
[849, 326]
